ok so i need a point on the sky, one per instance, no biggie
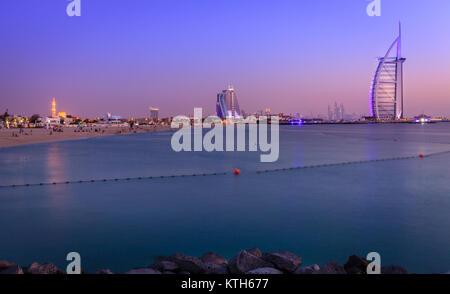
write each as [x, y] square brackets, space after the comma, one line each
[124, 56]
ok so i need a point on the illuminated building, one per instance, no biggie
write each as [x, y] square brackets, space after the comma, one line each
[386, 93]
[154, 113]
[53, 107]
[62, 114]
[227, 105]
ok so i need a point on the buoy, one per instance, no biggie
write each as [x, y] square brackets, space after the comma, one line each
[395, 140]
[421, 155]
[237, 171]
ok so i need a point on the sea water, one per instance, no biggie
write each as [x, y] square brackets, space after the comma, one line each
[397, 207]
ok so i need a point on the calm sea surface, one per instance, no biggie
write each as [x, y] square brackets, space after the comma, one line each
[399, 208]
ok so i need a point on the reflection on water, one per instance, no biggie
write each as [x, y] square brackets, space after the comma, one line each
[397, 208]
[55, 164]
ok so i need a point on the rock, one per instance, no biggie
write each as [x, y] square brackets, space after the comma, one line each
[356, 265]
[45, 269]
[245, 262]
[12, 270]
[104, 272]
[307, 270]
[165, 265]
[255, 252]
[188, 263]
[331, 268]
[283, 260]
[214, 264]
[143, 271]
[265, 271]
[212, 257]
[216, 269]
[6, 264]
[393, 270]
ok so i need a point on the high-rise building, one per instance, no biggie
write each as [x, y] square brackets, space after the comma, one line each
[53, 107]
[154, 113]
[227, 105]
[337, 115]
[330, 113]
[386, 93]
[342, 112]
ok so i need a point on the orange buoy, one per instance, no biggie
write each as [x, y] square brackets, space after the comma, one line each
[421, 155]
[237, 171]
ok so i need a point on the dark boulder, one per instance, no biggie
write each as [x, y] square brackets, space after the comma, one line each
[356, 265]
[165, 265]
[331, 268]
[283, 260]
[393, 270]
[265, 271]
[216, 269]
[307, 270]
[12, 270]
[245, 262]
[6, 264]
[143, 271]
[255, 252]
[212, 257]
[104, 272]
[44, 269]
[189, 264]
[214, 264]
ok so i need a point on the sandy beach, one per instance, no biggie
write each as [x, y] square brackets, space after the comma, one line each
[13, 137]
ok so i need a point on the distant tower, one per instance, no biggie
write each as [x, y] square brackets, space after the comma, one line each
[386, 93]
[154, 113]
[53, 107]
[336, 111]
[227, 105]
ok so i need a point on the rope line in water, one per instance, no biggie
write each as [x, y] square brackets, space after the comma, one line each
[225, 173]
[113, 180]
[352, 162]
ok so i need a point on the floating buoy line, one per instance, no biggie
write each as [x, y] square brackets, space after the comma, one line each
[235, 172]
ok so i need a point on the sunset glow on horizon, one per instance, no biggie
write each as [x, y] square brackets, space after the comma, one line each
[123, 57]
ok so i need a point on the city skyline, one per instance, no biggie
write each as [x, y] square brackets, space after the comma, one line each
[121, 58]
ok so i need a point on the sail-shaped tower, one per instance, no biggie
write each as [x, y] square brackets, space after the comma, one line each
[386, 93]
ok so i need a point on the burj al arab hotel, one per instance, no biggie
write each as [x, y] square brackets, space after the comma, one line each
[386, 93]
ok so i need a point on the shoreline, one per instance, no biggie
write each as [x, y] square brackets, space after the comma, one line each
[250, 261]
[30, 136]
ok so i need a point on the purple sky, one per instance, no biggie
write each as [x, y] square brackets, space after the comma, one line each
[290, 56]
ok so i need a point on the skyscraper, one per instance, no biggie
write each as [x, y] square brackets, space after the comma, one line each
[53, 107]
[386, 93]
[337, 115]
[154, 113]
[227, 105]
[330, 113]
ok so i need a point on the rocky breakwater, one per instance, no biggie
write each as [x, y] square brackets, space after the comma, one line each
[250, 261]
